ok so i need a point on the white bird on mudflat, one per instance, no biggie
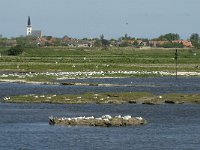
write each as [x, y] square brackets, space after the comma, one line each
[69, 119]
[87, 118]
[106, 117]
[118, 116]
[80, 118]
[139, 118]
[127, 117]
[6, 98]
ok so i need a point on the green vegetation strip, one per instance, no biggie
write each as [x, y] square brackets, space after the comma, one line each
[62, 59]
[107, 98]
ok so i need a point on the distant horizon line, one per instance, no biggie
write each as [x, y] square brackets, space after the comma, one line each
[10, 37]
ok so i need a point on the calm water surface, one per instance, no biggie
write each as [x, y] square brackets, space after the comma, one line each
[153, 85]
[25, 126]
[174, 127]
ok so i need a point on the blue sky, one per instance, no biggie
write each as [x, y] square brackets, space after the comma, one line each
[91, 18]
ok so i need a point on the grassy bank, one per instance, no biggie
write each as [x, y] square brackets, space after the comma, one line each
[107, 98]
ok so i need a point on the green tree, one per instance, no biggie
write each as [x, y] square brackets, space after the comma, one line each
[97, 43]
[3, 41]
[195, 39]
[169, 37]
[172, 45]
[28, 41]
[125, 43]
[104, 43]
[135, 44]
[16, 50]
[49, 37]
[102, 38]
[126, 37]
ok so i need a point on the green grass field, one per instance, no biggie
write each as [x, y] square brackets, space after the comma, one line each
[58, 59]
[54, 60]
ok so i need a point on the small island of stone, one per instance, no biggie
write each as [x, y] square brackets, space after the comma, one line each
[104, 121]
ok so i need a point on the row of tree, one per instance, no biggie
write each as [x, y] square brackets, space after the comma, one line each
[102, 42]
[194, 38]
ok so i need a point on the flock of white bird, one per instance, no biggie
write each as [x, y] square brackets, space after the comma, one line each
[64, 75]
[103, 118]
[6, 98]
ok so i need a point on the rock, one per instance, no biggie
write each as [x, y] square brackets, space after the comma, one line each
[112, 95]
[149, 103]
[51, 121]
[197, 101]
[67, 83]
[132, 102]
[104, 121]
[169, 102]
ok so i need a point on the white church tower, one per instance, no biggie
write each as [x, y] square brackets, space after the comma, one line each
[29, 27]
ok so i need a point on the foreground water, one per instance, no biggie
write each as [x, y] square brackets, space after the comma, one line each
[174, 127]
[25, 127]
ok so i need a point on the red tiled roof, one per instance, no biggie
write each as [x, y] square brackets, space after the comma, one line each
[186, 43]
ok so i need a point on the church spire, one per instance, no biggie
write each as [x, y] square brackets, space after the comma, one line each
[29, 21]
[29, 27]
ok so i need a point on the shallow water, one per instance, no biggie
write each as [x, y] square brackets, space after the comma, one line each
[154, 85]
[174, 127]
[25, 126]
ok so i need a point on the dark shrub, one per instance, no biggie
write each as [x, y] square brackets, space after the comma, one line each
[172, 45]
[16, 50]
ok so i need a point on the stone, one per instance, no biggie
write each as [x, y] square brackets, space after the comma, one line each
[104, 121]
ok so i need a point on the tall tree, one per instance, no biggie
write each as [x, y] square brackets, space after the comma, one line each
[195, 39]
[169, 37]
[105, 43]
[97, 42]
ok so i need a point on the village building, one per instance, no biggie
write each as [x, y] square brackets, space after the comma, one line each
[71, 42]
[157, 43]
[185, 43]
[79, 43]
[31, 32]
